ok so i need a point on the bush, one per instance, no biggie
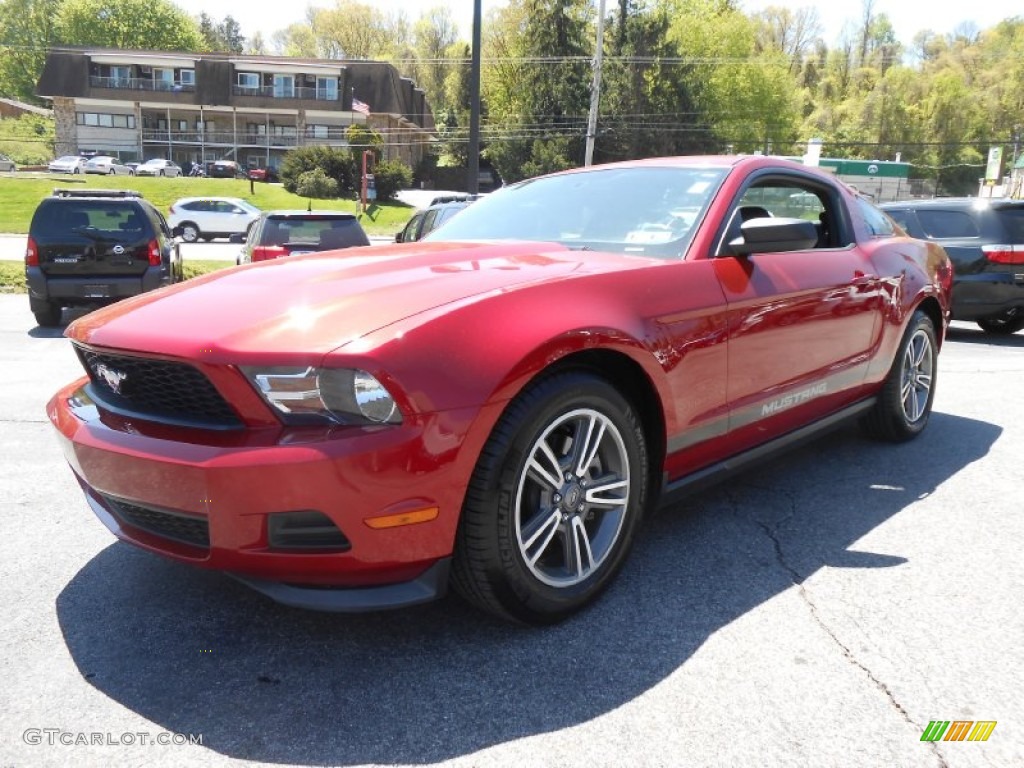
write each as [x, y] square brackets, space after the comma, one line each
[336, 164]
[316, 184]
[390, 177]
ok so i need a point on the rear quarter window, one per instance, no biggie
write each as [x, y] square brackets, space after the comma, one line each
[946, 224]
[1013, 222]
[878, 223]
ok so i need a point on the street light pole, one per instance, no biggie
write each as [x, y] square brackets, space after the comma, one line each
[473, 172]
[595, 90]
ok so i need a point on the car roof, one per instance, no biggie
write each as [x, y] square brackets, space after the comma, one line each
[212, 197]
[301, 214]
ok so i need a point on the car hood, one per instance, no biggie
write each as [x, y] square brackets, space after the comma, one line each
[312, 304]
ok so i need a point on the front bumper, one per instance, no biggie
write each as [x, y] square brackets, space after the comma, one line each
[230, 484]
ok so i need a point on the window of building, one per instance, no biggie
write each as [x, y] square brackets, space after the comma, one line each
[249, 81]
[284, 86]
[327, 88]
[120, 76]
[317, 131]
[100, 120]
[187, 76]
[163, 79]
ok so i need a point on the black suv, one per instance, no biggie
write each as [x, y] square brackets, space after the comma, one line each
[90, 247]
[426, 221]
[985, 240]
[284, 233]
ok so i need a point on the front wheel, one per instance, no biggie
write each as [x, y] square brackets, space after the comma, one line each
[905, 400]
[554, 502]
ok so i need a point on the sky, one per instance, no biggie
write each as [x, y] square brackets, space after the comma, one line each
[908, 18]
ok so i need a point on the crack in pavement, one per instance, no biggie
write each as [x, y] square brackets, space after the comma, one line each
[798, 582]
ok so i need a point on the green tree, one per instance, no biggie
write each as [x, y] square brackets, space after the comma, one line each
[389, 177]
[646, 106]
[538, 90]
[750, 100]
[27, 31]
[335, 163]
[128, 24]
[316, 184]
[223, 36]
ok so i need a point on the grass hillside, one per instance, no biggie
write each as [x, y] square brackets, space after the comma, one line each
[20, 194]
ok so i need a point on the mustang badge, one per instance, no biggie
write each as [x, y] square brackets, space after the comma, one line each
[111, 378]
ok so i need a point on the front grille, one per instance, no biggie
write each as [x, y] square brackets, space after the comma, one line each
[168, 525]
[157, 389]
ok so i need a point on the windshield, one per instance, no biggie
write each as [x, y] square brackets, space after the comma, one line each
[646, 211]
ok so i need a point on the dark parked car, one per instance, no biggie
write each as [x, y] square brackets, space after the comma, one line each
[985, 240]
[499, 406]
[224, 169]
[91, 247]
[426, 221]
[283, 233]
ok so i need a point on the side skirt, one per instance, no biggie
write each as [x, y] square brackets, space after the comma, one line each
[675, 490]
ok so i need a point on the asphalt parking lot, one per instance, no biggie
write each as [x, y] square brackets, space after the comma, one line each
[820, 611]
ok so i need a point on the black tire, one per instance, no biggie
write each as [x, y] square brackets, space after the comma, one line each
[190, 232]
[524, 533]
[905, 400]
[77, 170]
[48, 316]
[1002, 325]
[161, 173]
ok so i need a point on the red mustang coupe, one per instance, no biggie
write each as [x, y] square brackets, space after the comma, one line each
[496, 407]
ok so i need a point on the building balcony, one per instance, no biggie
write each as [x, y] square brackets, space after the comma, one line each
[278, 92]
[140, 84]
[212, 138]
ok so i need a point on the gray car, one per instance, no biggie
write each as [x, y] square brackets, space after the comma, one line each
[158, 167]
[107, 166]
[8, 165]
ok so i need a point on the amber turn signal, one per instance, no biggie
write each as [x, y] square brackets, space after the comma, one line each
[403, 518]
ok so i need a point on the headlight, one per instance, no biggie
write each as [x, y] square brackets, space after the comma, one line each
[307, 395]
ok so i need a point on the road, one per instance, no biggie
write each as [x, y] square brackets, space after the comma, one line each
[817, 612]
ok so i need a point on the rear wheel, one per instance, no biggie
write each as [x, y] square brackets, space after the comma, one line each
[1003, 325]
[905, 400]
[48, 314]
[189, 232]
[554, 501]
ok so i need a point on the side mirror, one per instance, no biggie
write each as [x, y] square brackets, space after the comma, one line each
[768, 235]
[237, 237]
[398, 237]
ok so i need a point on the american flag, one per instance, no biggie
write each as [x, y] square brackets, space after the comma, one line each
[360, 106]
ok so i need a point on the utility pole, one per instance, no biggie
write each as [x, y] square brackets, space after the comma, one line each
[595, 90]
[473, 172]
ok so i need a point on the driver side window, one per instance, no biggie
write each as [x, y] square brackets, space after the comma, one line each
[784, 199]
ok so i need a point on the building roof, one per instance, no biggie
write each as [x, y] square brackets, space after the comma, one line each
[23, 107]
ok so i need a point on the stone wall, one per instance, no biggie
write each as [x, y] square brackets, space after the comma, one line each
[66, 142]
